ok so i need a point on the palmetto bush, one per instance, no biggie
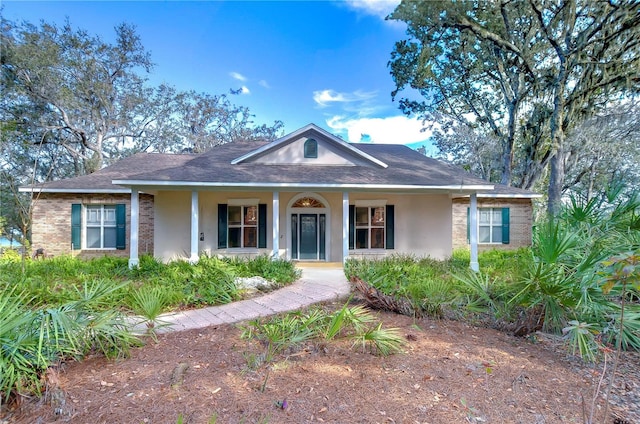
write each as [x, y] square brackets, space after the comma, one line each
[33, 339]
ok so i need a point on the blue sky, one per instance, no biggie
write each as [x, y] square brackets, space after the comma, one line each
[296, 61]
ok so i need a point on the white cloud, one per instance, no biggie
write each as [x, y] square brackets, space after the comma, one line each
[245, 90]
[380, 8]
[264, 84]
[237, 76]
[389, 130]
[324, 98]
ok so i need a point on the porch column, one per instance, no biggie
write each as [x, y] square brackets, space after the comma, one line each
[345, 226]
[133, 231]
[276, 224]
[473, 231]
[194, 228]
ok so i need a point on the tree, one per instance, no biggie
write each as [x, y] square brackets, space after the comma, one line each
[604, 151]
[516, 66]
[73, 103]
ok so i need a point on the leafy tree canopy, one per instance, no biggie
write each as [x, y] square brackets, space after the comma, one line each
[524, 73]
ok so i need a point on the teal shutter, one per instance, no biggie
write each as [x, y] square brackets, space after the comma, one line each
[121, 226]
[76, 226]
[352, 226]
[262, 226]
[390, 230]
[505, 225]
[468, 226]
[222, 226]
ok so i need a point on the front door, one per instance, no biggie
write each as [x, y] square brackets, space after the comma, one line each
[308, 236]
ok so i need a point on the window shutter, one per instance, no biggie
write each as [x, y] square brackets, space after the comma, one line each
[222, 226]
[352, 226]
[76, 226]
[262, 226]
[121, 226]
[468, 226]
[390, 230]
[505, 225]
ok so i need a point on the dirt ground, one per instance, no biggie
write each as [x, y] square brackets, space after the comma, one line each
[450, 372]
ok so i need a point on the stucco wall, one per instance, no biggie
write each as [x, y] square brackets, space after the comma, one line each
[422, 223]
[51, 224]
[520, 222]
[293, 153]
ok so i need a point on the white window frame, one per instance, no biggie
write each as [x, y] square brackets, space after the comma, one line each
[243, 226]
[370, 226]
[87, 224]
[490, 225]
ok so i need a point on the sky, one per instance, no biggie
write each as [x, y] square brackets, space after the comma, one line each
[300, 62]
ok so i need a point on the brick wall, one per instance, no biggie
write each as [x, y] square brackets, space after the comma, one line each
[51, 224]
[520, 222]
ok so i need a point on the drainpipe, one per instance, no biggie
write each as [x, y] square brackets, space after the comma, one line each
[473, 231]
[133, 231]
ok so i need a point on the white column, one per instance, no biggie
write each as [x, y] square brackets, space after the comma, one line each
[133, 231]
[345, 226]
[276, 224]
[194, 228]
[473, 232]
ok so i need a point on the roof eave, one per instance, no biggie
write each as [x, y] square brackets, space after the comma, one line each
[114, 190]
[459, 188]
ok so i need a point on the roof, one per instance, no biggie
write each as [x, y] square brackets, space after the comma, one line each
[381, 167]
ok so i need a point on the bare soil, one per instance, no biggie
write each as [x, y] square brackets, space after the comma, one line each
[450, 372]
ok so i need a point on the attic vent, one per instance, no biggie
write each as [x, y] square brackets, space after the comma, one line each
[308, 202]
[311, 148]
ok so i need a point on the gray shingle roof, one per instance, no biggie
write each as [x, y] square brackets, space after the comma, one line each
[406, 168]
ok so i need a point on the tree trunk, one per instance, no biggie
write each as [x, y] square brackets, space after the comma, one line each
[556, 182]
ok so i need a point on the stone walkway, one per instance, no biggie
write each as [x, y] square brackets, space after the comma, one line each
[317, 284]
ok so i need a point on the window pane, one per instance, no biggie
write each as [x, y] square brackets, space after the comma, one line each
[362, 216]
[497, 216]
[93, 238]
[109, 215]
[251, 215]
[484, 216]
[362, 238]
[110, 237]
[93, 215]
[377, 238]
[235, 214]
[234, 237]
[250, 238]
[484, 234]
[377, 217]
[496, 234]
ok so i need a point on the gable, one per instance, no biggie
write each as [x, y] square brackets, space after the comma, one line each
[328, 150]
[293, 153]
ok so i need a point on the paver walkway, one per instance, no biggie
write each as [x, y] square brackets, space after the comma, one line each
[317, 284]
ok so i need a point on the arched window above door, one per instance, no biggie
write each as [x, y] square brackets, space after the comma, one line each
[308, 202]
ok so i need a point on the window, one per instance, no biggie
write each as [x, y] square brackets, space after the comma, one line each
[243, 226]
[493, 225]
[98, 226]
[311, 148]
[370, 227]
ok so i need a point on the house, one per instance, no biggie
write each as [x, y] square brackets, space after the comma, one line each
[307, 196]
